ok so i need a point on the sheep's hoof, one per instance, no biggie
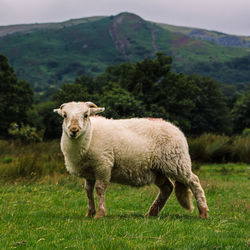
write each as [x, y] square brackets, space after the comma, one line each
[151, 213]
[90, 214]
[203, 213]
[100, 214]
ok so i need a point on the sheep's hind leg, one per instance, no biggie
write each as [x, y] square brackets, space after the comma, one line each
[166, 188]
[199, 195]
[100, 190]
[89, 187]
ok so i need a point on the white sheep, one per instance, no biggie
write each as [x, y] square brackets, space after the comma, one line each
[136, 152]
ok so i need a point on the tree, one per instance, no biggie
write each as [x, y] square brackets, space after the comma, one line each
[177, 95]
[119, 103]
[141, 79]
[147, 76]
[16, 97]
[210, 113]
[149, 89]
[71, 92]
[241, 113]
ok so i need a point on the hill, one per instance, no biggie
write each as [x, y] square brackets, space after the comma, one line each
[50, 54]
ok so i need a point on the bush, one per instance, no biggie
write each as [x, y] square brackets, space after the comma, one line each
[219, 149]
[210, 148]
[246, 132]
[24, 132]
[197, 149]
[240, 149]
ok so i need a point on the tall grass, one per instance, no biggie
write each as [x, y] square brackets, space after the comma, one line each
[210, 148]
[30, 160]
[241, 149]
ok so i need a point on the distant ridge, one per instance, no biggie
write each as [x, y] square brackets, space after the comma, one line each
[11, 29]
[218, 37]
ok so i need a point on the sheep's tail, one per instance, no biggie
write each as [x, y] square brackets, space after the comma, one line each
[184, 196]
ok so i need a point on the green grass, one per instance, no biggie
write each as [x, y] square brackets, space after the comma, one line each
[49, 214]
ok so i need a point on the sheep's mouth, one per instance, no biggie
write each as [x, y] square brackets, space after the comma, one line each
[73, 135]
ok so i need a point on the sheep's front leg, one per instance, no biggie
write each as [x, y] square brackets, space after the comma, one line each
[101, 187]
[89, 187]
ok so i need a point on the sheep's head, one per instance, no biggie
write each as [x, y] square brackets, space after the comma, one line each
[76, 116]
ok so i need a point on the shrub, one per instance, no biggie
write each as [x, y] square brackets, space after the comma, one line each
[212, 148]
[24, 132]
[197, 149]
[218, 150]
[241, 149]
[246, 132]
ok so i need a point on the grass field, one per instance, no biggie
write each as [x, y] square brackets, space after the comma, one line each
[49, 214]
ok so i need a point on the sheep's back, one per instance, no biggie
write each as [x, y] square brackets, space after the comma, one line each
[138, 141]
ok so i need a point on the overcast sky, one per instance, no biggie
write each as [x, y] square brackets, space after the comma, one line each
[228, 16]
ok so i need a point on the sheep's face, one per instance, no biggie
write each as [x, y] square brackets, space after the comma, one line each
[76, 117]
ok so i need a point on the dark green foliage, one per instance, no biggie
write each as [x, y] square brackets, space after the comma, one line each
[176, 95]
[246, 132]
[16, 97]
[71, 92]
[119, 103]
[210, 113]
[25, 133]
[149, 89]
[45, 120]
[241, 112]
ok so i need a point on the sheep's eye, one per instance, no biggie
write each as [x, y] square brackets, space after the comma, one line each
[85, 116]
[65, 115]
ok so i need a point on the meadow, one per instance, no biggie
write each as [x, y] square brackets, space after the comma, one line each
[43, 207]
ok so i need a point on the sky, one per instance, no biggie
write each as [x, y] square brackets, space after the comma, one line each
[228, 16]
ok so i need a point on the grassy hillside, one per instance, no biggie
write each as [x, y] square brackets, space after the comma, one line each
[48, 55]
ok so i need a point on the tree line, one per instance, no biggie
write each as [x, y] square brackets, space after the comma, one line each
[148, 88]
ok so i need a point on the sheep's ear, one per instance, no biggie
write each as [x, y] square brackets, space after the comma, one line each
[59, 111]
[94, 111]
[91, 105]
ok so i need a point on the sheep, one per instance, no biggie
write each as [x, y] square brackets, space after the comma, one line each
[136, 152]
